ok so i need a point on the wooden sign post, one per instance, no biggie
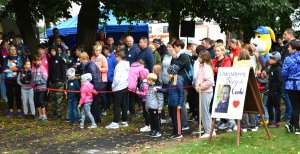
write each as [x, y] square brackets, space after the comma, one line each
[236, 93]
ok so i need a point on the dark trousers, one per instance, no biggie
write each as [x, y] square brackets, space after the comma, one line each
[104, 98]
[95, 108]
[294, 96]
[193, 99]
[13, 91]
[145, 114]
[154, 120]
[175, 116]
[40, 99]
[109, 97]
[163, 112]
[274, 102]
[120, 103]
[73, 109]
[132, 98]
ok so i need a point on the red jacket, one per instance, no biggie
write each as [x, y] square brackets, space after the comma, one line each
[225, 63]
[235, 52]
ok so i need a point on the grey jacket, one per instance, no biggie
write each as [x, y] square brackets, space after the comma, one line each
[166, 63]
[154, 100]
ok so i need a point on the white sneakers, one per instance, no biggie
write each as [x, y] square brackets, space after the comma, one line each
[112, 125]
[145, 129]
[115, 125]
[206, 135]
[92, 126]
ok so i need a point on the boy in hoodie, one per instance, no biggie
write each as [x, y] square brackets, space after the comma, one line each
[120, 87]
[275, 84]
[57, 77]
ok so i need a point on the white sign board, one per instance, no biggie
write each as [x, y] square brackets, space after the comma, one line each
[230, 92]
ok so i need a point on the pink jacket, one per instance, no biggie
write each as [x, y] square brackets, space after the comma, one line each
[87, 91]
[133, 75]
[205, 78]
[102, 65]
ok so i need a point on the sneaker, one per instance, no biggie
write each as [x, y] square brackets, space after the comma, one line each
[104, 113]
[185, 128]
[40, 118]
[92, 126]
[156, 134]
[254, 128]
[206, 135]
[10, 115]
[44, 118]
[289, 128]
[172, 136]
[235, 128]
[112, 125]
[145, 129]
[197, 132]
[177, 136]
[67, 120]
[26, 116]
[223, 126]
[297, 131]
[266, 121]
[81, 126]
[229, 130]
[32, 116]
[152, 132]
[274, 125]
[163, 121]
[244, 130]
[19, 114]
[124, 124]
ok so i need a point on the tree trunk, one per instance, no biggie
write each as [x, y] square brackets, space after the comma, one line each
[174, 19]
[25, 24]
[88, 20]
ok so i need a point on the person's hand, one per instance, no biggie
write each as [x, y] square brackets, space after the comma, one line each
[33, 85]
[178, 107]
[154, 89]
[159, 111]
[79, 105]
[258, 72]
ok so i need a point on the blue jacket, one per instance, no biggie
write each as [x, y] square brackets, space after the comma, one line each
[91, 67]
[111, 62]
[175, 92]
[132, 53]
[147, 56]
[73, 84]
[291, 71]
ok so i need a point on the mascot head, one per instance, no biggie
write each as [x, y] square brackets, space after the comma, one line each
[262, 40]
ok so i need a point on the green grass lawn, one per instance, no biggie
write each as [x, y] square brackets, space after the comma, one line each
[250, 142]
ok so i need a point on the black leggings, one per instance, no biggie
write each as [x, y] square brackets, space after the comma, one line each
[39, 99]
[274, 102]
[13, 91]
[120, 103]
[294, 96]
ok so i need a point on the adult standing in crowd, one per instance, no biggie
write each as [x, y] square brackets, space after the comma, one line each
[101, 36]
[110, 43]
[101, 63]
[12, 65]
[3, 51]
[54, 36]
[57, 78]
[206, 43]
[183, 62]
[146, 54]
[132, 50]
[76, 61]
[90, 67]
[160, 48]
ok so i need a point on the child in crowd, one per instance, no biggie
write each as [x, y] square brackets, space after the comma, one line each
[24, 80]
[86, 99]
[120, 87]
[39, 78]
[73, 97]
[142, 91]
[175, 99]
[205, 81]
[275, 84]
[154, 105]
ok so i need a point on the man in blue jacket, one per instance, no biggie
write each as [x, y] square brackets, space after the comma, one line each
[132, 50]
[146, 54]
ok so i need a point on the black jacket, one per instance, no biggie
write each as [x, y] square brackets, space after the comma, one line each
[162, 50]
[183, 62]
[26, 79]
[91, 67]
[73, 84]
[57, 69]
[275, 79]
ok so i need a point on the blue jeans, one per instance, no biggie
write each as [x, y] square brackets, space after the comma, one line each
[288, 105]
[265, 99]
[87, 110]
[73, 110]
[3, 87]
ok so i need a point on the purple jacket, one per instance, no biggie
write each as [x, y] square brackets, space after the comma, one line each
[133, 75]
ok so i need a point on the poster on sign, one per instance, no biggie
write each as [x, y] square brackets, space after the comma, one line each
[230, 92]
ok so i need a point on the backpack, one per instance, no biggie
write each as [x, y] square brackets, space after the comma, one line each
[189, 70]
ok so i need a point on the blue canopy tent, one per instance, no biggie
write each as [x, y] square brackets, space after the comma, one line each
[112, 28]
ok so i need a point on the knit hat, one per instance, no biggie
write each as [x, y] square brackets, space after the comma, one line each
[86, 77]
[71, 72]
[173, 69]
[275, 55]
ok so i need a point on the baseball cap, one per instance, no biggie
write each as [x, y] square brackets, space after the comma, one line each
[275, 55]
[157, 40]
[262, 30]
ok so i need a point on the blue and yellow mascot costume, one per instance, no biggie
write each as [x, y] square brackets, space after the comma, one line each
[263, 40]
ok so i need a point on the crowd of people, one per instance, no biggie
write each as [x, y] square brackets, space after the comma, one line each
[153, 79]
